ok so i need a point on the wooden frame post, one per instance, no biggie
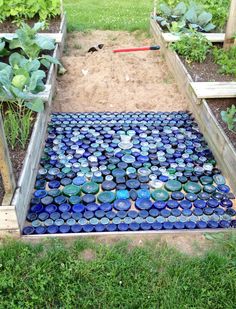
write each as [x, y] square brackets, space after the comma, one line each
[231, 26]
[62, 8]
[155, 9]
[5, 165]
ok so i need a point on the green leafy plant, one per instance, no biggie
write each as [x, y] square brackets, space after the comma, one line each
[169, 15]
[22, 77]
[32, 44]
[193, 46]
[20, 80]
[17, 123]
[198, 19]
[20, 10]
[183, 17]
[229, 117]
[219, 10]
[11, 127]
[226, 59]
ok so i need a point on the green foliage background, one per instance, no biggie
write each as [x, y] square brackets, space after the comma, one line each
[26, 9]
[218, 8]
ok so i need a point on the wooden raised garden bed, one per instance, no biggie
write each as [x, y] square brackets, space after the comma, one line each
[218, 141]
[12, 215]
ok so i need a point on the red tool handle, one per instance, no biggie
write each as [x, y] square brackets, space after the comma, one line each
[127, 50]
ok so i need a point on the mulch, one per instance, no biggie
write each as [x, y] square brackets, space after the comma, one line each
[218, 105]
[53, 25]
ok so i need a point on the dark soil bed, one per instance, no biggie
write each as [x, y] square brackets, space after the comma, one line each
[17, 156]
[53, 25]
[218, 105]
[207, 71]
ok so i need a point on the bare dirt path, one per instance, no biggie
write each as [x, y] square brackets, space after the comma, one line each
[104, 81]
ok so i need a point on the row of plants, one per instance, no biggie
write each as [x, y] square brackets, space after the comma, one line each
[194, 47]
[24, 62]
[20, 10]
[203, 16]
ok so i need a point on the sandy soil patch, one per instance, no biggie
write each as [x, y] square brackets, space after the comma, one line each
[104, 81]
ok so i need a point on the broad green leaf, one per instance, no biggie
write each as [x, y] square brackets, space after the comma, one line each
[20, 94]
[180, 9]
[165, 9]
[51, 59]
[3, 65]
[159, 18]
[204, 18]
[19, 81]
[15, 60]
[45, 43]
[4, 78]
[45, 63]
[38, 26]
[164, 23]
[15, 43]
[36, 77]
[39, 88]
[35, 105]
[191, 16]
[32, 65]
[209, 27]
[224, 116]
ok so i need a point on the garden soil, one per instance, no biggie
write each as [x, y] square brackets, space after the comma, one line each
[104, 81]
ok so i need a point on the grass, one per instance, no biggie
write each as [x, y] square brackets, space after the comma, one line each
[125, 15]
[53, 275]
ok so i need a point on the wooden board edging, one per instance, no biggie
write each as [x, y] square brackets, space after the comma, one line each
[212, 37]
[126, 234]
[8, 221]
[216, 138]
[212, 90]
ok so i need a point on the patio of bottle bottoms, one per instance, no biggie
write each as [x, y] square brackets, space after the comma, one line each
[127, 172]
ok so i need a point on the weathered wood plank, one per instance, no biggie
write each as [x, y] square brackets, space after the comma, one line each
[8, 219]
[130, 234]
[231, 26]
[212, 37]
[56, 36]
[5, 163]
[209, 90]
[63, 30]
